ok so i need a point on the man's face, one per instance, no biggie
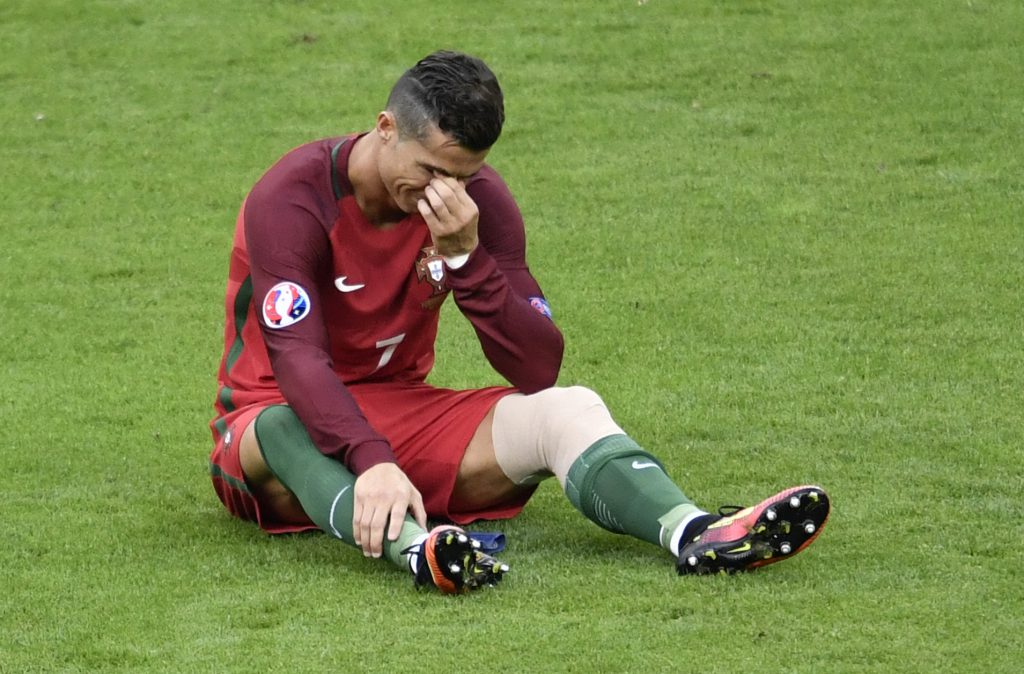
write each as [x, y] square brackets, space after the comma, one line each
[407, 165]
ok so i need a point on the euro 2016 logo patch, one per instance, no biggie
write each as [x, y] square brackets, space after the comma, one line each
[541, 305]
[285, 304]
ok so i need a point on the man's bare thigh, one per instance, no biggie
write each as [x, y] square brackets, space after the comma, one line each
[481, 484]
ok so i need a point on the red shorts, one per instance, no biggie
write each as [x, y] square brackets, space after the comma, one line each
[429, 429]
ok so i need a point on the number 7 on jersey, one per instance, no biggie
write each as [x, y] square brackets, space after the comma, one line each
[389, 345]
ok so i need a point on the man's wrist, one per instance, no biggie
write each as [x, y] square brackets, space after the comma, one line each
[456, 261]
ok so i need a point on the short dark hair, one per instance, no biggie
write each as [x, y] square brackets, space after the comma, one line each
[454, 91]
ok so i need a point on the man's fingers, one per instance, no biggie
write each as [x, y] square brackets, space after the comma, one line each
[454, 184]
[377, 524]
[451, 191]
[428, 214]
[366, 532]
[398, 511]
[448, 185]
[357, 516]
[456, 187]
[418, 511]
[367, 528]
[438, 200]
[384, 495]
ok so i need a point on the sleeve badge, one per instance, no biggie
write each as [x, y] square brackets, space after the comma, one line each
[542, 306]
[285, 304]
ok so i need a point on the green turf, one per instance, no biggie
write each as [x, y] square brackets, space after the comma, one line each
[783, 239]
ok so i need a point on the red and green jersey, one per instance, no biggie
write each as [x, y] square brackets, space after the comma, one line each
[318, 297]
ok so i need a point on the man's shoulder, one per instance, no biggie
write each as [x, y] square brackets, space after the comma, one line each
[486, 177]
[302, 175]
[501, 225]
[305, 162]
[487, 188]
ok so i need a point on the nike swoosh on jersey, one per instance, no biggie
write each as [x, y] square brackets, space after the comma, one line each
[340, 284]
[640, 466]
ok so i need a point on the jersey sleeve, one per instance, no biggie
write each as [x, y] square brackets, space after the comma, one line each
[287, 245]
[495, 290]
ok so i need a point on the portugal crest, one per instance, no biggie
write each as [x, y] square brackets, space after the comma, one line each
[430, 268]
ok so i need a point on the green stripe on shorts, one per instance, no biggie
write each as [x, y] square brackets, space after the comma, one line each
[224, 396]
[233, 482]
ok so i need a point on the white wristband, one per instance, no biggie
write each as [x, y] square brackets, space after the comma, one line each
[456, 261]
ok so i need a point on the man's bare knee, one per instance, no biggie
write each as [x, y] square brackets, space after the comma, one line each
[543, 433]
[275, 499]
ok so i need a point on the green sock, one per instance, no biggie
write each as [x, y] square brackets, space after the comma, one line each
[322, 485]
[622, 488]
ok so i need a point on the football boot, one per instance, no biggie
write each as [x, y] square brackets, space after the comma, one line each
[453, 563]
[745, 539]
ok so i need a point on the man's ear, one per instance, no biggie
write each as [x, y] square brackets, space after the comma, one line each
[386, 127]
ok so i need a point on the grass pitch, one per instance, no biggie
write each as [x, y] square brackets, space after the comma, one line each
[783, 240]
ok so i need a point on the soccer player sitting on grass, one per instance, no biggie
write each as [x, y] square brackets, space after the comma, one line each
[343, 253]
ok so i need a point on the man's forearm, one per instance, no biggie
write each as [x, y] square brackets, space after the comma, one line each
[522, 344]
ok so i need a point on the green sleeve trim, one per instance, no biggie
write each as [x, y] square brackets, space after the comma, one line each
[242, 301]
[335, 178]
